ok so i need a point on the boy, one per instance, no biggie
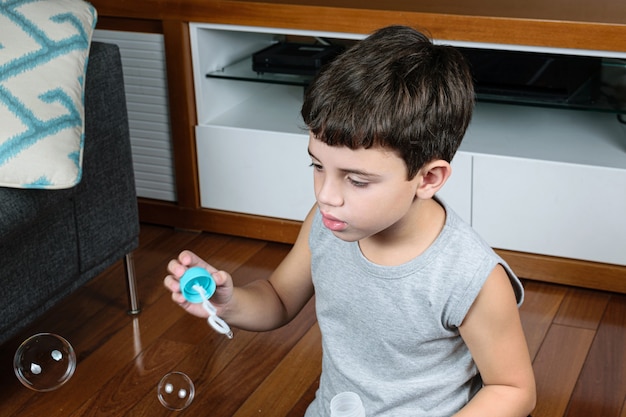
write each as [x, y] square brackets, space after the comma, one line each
[418, 315]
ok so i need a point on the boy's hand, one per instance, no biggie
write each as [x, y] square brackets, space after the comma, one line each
[177, 267]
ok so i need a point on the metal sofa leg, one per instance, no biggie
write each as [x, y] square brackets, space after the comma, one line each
[131, 283]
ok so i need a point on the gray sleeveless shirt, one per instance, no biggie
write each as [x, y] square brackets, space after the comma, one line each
[391, 334]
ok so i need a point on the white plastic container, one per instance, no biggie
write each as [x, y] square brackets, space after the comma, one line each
[347, 404]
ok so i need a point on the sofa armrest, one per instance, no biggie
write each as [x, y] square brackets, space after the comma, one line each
[106, 202]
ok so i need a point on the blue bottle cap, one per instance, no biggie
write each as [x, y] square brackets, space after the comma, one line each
[196, 276]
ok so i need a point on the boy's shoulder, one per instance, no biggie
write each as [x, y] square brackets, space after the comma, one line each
[467, 247]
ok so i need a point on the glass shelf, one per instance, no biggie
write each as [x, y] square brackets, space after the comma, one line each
[242, 71]
[604, 91]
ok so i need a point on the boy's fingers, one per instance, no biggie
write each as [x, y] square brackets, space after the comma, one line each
[171, 283]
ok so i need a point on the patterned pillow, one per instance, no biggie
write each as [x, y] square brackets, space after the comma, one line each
[44, 46]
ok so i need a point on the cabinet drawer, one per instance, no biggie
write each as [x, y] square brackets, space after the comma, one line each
[256, 172]
[552, 208]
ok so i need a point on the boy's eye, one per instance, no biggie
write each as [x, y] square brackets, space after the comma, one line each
[357, 183]
[354, 182]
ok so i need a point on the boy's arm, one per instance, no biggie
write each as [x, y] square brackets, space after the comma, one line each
[268, 304]
[493, 332]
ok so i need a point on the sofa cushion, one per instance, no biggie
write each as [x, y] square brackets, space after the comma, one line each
[44, 45]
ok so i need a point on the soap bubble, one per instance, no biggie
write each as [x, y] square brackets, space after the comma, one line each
[176, 391]
[44, 362]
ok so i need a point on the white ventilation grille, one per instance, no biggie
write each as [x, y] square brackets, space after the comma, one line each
[145, 82]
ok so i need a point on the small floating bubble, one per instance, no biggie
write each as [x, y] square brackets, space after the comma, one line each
[175, 391]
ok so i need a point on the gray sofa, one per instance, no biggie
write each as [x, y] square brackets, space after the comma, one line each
[54, 241]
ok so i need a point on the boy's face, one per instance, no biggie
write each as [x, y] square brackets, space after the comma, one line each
[361, 192]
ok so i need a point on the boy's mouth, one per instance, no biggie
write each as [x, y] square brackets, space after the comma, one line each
[333, 223]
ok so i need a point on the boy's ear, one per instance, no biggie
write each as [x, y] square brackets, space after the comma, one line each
[433, 176]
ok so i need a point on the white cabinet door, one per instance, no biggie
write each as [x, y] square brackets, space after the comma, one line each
[552, 208]
[457, 191]
[256, 172]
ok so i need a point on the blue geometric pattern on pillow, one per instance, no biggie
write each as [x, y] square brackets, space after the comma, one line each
[44, 46]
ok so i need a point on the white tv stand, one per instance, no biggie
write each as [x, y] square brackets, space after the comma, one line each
[528, 178]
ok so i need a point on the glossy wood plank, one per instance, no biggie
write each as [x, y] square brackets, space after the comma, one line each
[122, 392]
[601, 389]
[557, 366]
[230, 254]
[250, 368]
[279, 393]
[582, 308]
[299, 409]
[541, 304]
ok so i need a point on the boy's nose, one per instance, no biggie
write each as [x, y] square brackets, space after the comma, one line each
[329, 193]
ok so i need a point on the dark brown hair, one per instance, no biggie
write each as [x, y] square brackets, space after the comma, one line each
[397, 90]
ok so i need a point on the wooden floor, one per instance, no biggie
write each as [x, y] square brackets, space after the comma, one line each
[577, 339]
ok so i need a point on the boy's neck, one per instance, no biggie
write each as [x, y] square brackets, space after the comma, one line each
[408, 238]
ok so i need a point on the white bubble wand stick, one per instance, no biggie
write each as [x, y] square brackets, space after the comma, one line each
[197, 286]
[214, 320]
